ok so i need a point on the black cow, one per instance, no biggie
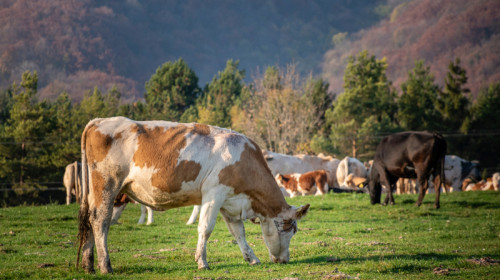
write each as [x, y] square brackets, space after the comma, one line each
[408, 155]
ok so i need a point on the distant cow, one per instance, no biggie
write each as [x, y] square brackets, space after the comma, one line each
[167, 165]
[457, 169]
[72, 181]
[351, 173]
[408, 155]
[313, 182]
[287, 164]
[490, 184]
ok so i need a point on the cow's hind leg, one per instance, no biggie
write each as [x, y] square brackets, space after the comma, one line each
[437, 182]
[211, 204]
[237, 229]
[423, 185]
[100, 219]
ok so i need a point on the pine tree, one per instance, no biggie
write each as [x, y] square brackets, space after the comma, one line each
[171, 90]
[416, 105]
[365, 109]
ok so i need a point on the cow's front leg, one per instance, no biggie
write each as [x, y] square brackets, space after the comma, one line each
[422, 189]
[194, 215]
[208, 215]
[237, 229]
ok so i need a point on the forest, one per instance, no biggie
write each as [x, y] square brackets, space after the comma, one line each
[280, 109]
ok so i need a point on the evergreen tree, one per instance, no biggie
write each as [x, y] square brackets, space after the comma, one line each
[453, 103]
[416, 105]
[171, 90]
[25, 155]
[483, 129]
[366, 108]
[220, 95]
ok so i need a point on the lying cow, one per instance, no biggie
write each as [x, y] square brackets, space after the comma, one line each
[408, 155]
[313, 182]
[166, 165]
[72, 181]
[490, 184]
[351, 173]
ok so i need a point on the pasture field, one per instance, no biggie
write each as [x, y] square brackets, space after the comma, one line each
[342, 235]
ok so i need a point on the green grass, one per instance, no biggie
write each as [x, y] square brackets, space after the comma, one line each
[370, 242]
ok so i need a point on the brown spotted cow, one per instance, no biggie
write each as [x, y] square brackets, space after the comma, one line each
[166, 165]
[308, 183]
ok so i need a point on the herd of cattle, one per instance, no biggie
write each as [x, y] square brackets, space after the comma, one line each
[164, 165]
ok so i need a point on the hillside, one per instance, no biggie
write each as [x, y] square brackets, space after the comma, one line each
[77, 44]
[436, 31]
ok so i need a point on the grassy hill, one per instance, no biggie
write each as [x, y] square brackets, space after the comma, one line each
[342, 234]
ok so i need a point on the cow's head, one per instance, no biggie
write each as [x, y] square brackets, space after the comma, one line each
[471, 170]
[278, 232]
[374, 186]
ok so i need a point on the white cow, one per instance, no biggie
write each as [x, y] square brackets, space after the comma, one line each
[167, 165]
[456, 170]
[72, 181]
[287, 164]
[351, 172]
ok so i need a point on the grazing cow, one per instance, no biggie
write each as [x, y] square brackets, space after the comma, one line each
[72, 181]
[313, 182]
[351, 173]
[408, 155]
[167, 165]
[286, 164]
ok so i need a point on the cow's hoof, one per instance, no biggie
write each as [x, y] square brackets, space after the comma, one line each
[254, 262]
[436, 206]
[383, 204]
[203, 267]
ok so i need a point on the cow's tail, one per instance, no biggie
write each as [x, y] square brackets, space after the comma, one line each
[442, 147]
[84, 226]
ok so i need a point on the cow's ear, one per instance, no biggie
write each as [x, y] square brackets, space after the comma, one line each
[301, 212]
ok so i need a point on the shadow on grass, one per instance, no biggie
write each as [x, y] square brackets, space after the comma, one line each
[417, 257]
[474, 205]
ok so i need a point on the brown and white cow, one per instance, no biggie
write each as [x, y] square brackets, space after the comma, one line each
[490, 184]
[72, 181]
[313, 182]
[287, 164]
[166, 165]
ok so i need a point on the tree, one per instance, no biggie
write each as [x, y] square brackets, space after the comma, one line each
[416, 105]
[278, 110]
[483, 129]
[453, 103]
[366, 108]
[171, 90]
[24, 157]
[220, 95]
